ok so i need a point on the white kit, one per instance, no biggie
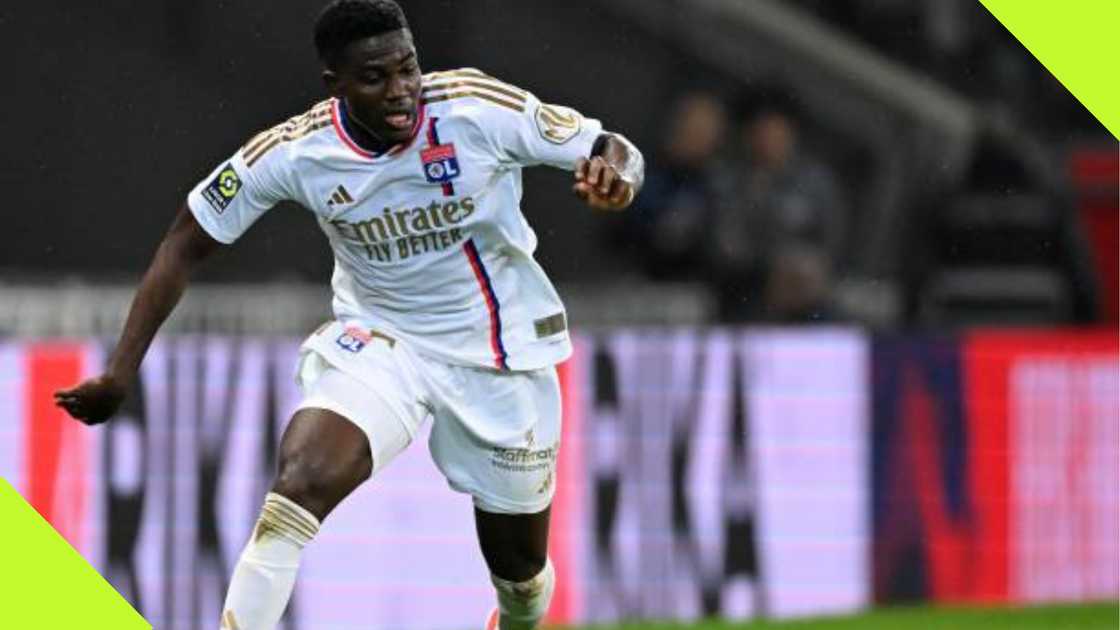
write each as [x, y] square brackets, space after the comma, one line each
[441, 311]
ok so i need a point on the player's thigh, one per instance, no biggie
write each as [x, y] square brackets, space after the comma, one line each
[351, 423]
[515, 546]
[345, 429]
[323, 457]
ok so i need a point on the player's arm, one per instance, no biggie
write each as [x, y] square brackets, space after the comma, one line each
[221, 208]
[184, 247]
[609, 169]
[612, 175]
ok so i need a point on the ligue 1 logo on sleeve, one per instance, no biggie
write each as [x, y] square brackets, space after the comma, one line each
[223, 189]
[440, 164]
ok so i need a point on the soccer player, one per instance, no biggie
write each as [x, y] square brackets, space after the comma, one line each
[441, 312]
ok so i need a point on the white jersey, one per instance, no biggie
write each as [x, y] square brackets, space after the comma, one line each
[429, 241]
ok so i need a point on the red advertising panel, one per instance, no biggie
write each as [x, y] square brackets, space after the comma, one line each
[1048, 407]
[995, 462]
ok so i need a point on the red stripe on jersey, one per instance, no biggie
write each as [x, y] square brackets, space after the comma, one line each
[438, 152]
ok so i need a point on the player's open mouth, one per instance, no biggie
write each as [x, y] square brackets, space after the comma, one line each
[401, 121]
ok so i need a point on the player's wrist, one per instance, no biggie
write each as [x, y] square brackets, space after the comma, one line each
[626, 160]
[119, 376]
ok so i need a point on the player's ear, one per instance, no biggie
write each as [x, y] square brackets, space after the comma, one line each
[331, 81]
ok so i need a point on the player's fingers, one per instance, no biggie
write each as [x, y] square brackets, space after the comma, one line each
[588, 195]
[606, 180]
[595, 171]
[620, 194]
[85, 418]
[75, 410]
[597, 201]
[582, 166]
[76, 391]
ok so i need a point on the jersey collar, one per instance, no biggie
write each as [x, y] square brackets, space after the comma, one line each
[340, 119]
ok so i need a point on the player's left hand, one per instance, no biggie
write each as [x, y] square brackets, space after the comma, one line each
[599, 185]
[93, 401]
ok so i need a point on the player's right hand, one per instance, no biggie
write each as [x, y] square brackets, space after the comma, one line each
[600, 186]
[93, 401]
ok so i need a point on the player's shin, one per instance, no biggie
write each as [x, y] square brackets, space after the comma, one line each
[266, 572]
[524, 604]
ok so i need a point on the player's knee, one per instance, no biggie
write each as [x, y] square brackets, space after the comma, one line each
[298, 485]
[315, 486]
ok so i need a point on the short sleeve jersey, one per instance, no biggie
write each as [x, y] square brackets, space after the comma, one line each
[429, 240]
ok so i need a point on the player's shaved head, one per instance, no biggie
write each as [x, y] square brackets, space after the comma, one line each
[343, 22]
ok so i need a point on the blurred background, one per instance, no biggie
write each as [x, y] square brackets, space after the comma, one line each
[855, 344]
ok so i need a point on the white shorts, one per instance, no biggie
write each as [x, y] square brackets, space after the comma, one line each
[495, 435]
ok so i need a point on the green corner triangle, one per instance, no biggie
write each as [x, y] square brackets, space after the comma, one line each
[1078, 43]
[45, 584]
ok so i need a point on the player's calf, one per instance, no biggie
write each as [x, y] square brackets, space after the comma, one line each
[515, 547]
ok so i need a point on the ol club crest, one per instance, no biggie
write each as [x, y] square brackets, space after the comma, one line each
[440, 164]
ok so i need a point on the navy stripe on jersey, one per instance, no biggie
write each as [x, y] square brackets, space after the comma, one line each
[492, 304]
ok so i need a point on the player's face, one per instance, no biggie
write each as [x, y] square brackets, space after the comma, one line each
[380, 79]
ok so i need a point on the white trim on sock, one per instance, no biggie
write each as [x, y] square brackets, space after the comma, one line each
[265, 574]
[524, 604]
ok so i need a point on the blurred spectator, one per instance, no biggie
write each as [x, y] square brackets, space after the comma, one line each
[674, 211]
[779, 221]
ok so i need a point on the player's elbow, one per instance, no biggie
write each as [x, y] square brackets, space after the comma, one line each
[187, 244]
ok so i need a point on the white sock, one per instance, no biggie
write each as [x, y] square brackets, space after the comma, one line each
[266, 572]
[523, 604]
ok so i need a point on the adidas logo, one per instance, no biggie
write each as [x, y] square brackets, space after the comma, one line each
[340, 196]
